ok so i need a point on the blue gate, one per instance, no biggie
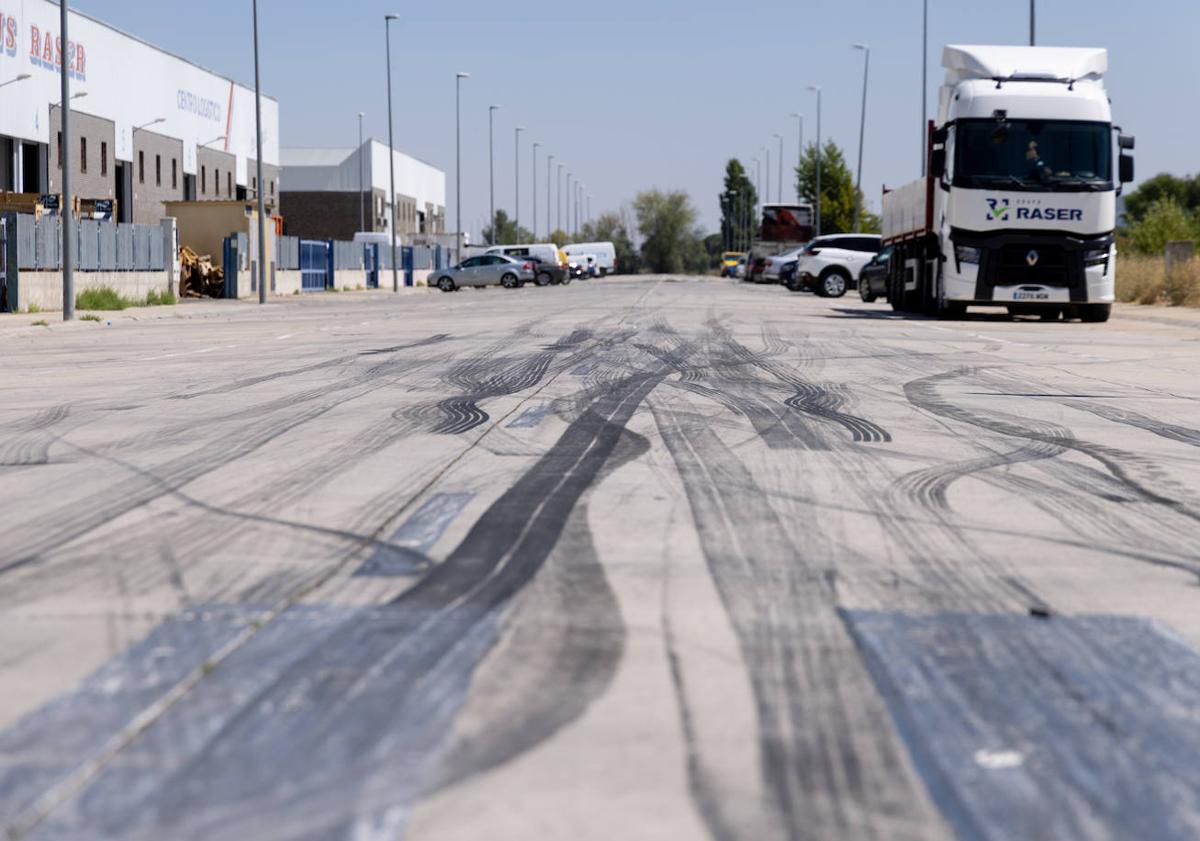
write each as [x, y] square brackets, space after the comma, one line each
[371, 264]
[316, 265]
[231, 258]
[406, 264]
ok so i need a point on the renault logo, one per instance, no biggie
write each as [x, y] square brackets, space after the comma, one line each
[1032, 258]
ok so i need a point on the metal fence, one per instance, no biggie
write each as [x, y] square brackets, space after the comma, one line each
[287, 254]
[348, 256]
[99, 246]
[423, 257]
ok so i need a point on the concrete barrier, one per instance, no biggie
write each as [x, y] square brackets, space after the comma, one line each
[43, 290]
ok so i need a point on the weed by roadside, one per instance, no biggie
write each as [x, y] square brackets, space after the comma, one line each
[1144, 280]
[103, 298]
[161, 299]
[41, 322]
[89, 317]
[33, 309]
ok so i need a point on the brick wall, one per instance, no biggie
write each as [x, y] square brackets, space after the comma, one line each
[215, 175]
[99, 179]
[157, 175]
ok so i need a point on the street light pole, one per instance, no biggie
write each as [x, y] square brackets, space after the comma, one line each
[458, 77]
[862, 134]
[767, 173]
[362, 207]
[536, 146]
[391, 152]
[558, 200]
[65, 207]
[262, 221]
[779, 193]
[1033, 23]
[518, 185]
[567, 196]
[820, 155]
[492, 109]
[925, 91]
[800, 144]
[549, 178]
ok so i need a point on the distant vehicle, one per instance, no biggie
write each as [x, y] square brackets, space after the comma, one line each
[773, 269]
[729, 262]
[548, 274]
[787, 275]
[785, 227]
[605, 254]
[873, 279]
[549, 268]
[1019, 205]
[485, 270]
[831, 265]
[739, 271]
[755, 266]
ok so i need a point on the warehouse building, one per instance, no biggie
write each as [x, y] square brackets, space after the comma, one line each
[333, 193]
[147, 126]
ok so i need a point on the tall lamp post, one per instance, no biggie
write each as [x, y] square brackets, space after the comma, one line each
[458, 78]
[820, 154]
[549, 178]
[779, 193]
[1033, 23]
[517, 222]
[767, 174]
[925, 90]
[800, 144]
[65, 208]
[567, 196]
[262, 221]
[362, 205]
[558, 199]
[391, 153]
[862, 135]
[536, 146]
[492, 109]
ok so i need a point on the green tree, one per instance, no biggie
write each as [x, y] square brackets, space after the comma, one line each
[737, 200]
[559, 237]
[1185, 191]
[507, 232]
[666, 223]
[610, 227]
[837, 190]
[1165, 220]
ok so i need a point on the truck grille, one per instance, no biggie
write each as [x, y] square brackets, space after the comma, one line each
[1045, 265]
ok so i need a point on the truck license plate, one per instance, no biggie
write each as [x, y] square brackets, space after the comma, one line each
[1031, 296]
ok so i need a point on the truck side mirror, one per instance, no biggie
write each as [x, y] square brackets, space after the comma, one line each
[937, 163]
[1126, 168]
[1126, 141]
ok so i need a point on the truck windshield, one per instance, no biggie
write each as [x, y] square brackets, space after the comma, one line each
[1043, 155]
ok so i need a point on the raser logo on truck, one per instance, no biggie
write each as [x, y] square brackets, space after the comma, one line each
[1001, 210]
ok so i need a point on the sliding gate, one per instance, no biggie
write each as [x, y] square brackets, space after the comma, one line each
[316, 265]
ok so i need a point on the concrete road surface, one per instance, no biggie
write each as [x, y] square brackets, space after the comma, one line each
[653, 558]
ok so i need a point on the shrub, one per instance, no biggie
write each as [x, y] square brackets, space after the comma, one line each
[161, 299]
[101, 298]
[1182, 287]
[1166, 220]
[33, 309]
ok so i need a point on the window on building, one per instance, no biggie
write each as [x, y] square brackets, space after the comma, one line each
[174, 174]
[158, 170]
[203, 180]
[103, 158]
[229, 184]
[83, 154]
[255, 182]
[272, 189]
[217, 183]
[60, 150]
[141, 167]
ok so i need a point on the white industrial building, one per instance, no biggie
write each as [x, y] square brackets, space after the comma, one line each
[147, 126]
[333, 193]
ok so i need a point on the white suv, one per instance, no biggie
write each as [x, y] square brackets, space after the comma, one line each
[831, 265]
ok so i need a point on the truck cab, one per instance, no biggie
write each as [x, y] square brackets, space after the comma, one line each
[1019, 209]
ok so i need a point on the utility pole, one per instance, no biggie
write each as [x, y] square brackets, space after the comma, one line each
[567, 196]
[779, 193]
[362, 206]
[66, 206]
[767, 172]
[558, 200]
[262, 186]
[862, 134]
[492, 109]
[1033, 23]
[549, 178]
[517, 222]
[925, 92]
[820, 155]
[458, 77]
[536, 146]
[392, 153]
[800, 146]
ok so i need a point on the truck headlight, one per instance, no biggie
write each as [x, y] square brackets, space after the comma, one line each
[1097, 256]
[967, 254]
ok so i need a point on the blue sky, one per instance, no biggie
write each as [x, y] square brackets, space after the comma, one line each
[639, 93]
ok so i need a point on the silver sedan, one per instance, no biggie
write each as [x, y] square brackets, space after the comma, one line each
[485, 270]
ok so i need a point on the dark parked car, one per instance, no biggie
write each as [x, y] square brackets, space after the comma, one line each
[873, 281]
[545, 274]
[787, 274]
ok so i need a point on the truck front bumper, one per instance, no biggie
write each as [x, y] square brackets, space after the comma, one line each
[1031, 268]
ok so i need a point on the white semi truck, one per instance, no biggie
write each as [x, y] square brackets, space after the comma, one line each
[1019, 206]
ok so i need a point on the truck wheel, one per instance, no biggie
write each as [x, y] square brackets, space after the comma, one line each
[1094, 313]
[833, 284]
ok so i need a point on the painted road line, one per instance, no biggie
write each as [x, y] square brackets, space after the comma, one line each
[1044, 728]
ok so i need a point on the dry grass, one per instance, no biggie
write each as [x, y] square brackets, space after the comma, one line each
[1144, 280]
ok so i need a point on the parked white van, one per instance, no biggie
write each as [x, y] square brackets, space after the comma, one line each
[547, 252]
[604, 252]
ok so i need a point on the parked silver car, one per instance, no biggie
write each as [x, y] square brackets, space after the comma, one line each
[485, 270]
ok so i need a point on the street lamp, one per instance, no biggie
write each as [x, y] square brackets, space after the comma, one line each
[925, 90]
[458, 78]
[1033, 23]
[391, 151]
[820, 154]
[536, 146]
[492, 109]
[800, 143]
[362, 207]
[214, 140]
[862, 134]
[558, 199]
[262, 221]
[779, 194]
[567, 196]
[767, 172]
[517, 221]
[65, 208]
[14, 80]
[549, 172]
[142, 127]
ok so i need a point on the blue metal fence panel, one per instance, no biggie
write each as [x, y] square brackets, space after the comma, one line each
[316, 265]
[106, 243]
[26, 242]
[124, 244]
[48, 235]
[288, 254]
[88, 248]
